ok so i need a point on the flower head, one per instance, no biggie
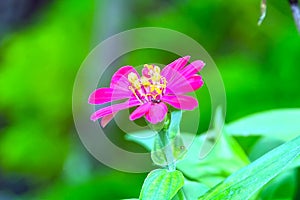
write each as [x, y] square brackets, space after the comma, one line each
[150, 92]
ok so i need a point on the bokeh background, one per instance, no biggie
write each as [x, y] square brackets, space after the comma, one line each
[44, 42]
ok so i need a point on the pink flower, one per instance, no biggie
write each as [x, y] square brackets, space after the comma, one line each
[151, 91]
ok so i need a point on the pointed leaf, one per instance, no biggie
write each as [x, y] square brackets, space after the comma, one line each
[248, 180]
[284, 186]
[225, 158]
[283, 124]
[161, 184]
[192, 189]
[144, 138]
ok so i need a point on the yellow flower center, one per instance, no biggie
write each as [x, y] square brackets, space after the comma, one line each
[150, 87]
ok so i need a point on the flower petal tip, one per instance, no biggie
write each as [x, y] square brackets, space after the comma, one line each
[105, 120]
[187, 57]
[92, 119]
[195, 105]
[91, 101]
[91, 98]
[202, 63]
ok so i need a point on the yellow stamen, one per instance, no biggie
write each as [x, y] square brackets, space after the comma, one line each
[134, 80]
[149, 86]
[164, 85]
[152, 88]
[150, 67]
[144, 81]
[156, 77]
[156, 69]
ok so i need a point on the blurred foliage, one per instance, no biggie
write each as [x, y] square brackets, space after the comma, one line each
[39, 61]
[103, 185]
[37, 72]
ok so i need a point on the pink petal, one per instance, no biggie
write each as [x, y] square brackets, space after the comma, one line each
[106, 119]
[186, 73]
[181, 102]
[180, 62]
[120, 79]
[140, 111]
[157, 113]
[171, 69]
[192, 68]
[113, 109]
[104, 95]
[195, 82]
[185, 85]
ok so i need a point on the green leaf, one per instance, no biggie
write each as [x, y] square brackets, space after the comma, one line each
[164, 154]
[144, 138]
[225, 158]
[283, 124]
[263, 146]
[174, 128]
[248, 180]
[178, 148]
[161, 184]
[295, 163]
[282, 187]
[158, 154]
[192, 189]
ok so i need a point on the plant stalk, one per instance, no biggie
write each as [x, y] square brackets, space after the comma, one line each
[167, 149]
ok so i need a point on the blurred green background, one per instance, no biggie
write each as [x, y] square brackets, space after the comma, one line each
[44, 42]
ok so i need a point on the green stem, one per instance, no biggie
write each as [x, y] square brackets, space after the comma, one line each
[167, 148]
